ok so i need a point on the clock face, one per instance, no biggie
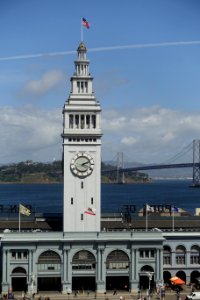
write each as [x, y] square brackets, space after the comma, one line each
[82, 164]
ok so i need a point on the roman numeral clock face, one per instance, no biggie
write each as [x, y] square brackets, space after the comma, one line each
[82, 164]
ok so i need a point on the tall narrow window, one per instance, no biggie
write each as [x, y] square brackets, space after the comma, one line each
[71, 120]
[88, 121]
[93, 121]
[92, 201]
[86, 87]
[82, 184]
[82, 121]
[81, 217]
[78, 86]
[77, 121]
[72, 201]
[82, 87]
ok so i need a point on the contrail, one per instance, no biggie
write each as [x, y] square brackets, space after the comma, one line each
[99, 49]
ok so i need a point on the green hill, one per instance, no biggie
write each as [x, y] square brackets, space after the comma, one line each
[37, 172]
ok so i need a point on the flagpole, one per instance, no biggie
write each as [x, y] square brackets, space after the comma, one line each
[19, 219]
[146, 218]
[81, 31]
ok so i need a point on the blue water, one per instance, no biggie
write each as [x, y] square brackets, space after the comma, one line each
[47, 198]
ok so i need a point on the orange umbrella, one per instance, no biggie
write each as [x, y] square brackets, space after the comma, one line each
[176, 280]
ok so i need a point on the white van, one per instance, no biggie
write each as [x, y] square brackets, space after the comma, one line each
[193, 296]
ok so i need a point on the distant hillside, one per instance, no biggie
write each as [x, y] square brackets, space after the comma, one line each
[36, 172]
[31, 172]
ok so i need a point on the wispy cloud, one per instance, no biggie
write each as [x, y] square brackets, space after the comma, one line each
[100, 49]
[41, 86]
[29, 133]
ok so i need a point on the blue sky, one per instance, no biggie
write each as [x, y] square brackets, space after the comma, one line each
[145, 59]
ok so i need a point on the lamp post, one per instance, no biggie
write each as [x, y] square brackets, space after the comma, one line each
[150, 275]
[32, 285]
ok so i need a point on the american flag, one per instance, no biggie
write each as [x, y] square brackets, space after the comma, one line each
[85, 23]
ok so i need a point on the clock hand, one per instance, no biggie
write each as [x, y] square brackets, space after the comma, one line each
[81, 165]
[85, 163]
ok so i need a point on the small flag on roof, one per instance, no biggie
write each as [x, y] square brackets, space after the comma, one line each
[149, 208]
[175, 209]
[85, 23]
[24, 210]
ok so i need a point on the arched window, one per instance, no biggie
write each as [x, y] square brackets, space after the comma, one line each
[49, 261]
[19, 270]
[194, 255]
[180, 255]
[167, 255]
[117, 260]
[83, 260]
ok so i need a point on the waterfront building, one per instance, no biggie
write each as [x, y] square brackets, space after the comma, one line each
[90, 253]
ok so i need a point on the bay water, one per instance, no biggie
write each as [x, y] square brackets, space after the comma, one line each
[48, 198]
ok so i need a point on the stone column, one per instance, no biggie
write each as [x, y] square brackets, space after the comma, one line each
[173, 253]
[132, 270]
[64, 275]
[30, 270]
[67, 271]
[98, 265]
[8, 277]
[134, 273]
[187, 259]
[158, 276]
[101, 271]
[4, 272]
[157, 265]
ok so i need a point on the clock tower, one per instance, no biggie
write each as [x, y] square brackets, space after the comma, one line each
[81, 151]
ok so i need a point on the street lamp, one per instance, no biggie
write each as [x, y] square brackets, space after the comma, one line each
[32, 285]
[150, 276]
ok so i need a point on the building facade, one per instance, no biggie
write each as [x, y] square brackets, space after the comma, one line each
[82, 257]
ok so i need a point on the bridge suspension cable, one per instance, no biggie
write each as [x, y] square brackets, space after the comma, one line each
[180, 154]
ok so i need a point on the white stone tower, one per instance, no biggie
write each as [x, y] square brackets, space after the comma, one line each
[81, 152]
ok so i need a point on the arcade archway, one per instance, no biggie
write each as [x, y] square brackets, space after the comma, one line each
[49, 271]
[117, 271]
[84, 266]
[19, 279]
[146, 278]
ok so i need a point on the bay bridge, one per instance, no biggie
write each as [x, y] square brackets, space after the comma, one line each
[195, 164]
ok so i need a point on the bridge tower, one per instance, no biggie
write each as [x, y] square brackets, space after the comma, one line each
[120, 166]
[196, 163]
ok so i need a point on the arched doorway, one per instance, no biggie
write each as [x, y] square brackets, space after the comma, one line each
[146, 278]
[49, 271]
[117, 271]
[84, 271]
[195, 278]
[182, 275]
[166, 277]
[19, 279]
